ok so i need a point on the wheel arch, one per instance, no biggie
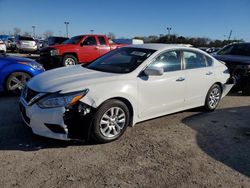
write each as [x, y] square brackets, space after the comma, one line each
[71, 53]
[220, 84]
[8, 75]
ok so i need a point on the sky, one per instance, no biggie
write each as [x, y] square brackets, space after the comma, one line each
[129, 18]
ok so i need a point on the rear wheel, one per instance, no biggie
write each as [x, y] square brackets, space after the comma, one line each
[69, 60]
[16, 81]
[110, 121]
[213, 97]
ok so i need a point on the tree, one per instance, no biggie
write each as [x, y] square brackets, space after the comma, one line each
[16, 31]
[111, 35]
[48, 34]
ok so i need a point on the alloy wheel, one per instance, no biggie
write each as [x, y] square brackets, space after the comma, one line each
[112, 122]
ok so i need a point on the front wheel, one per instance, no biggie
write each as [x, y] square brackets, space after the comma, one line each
[69, 60]
[213, 97]
[16, 81]
[110, 121]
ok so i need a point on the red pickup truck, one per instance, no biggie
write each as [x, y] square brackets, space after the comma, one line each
[78, 49]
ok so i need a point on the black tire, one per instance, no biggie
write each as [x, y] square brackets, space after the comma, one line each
[10, 82]
[98, 127]
[69, 60]
[246, 86]
[213, 98]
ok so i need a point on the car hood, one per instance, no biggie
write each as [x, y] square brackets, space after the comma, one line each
[233, 59]
[14, 59]
[69, 79]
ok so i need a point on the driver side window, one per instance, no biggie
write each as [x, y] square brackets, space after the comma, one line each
[90, 41]
[169, 61]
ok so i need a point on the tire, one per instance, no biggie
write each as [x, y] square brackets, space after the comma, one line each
[246, 86]
[213, 98]
[110, 121]
[16, 81]
[69, 60]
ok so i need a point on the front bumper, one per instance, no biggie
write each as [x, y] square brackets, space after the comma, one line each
[50, 62]
[57, 123]
[28, 48]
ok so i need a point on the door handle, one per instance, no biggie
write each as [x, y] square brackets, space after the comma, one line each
[209, 73]
[180, 79]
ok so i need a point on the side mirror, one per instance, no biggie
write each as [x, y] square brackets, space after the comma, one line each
[154, 71]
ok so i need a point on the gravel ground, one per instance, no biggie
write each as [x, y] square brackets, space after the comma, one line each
[186, 149]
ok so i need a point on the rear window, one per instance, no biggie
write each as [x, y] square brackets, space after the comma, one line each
[26, 38]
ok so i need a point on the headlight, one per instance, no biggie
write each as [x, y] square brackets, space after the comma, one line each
[54, 52]
[34, 65]
[61, 100]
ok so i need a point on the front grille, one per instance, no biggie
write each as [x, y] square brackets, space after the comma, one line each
[29, 94]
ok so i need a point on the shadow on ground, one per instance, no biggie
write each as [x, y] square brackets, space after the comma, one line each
[225, 136]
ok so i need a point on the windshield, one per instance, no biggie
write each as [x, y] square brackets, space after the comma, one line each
[26, 38]
[236, 49]
[74, 40]
[122, 60]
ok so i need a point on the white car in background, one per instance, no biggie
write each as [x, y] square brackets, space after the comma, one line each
[25, 44]
[124, 87]
[2, 47]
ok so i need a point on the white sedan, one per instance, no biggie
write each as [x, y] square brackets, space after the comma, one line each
[124, 87]
[2, 47]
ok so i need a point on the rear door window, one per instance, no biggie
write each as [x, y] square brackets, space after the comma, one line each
[102, 40]
[194, 60]
[169, 61]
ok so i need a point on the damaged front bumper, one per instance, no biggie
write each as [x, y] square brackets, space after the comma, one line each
[58, 123]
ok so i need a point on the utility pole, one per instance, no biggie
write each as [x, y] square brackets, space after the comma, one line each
[230, 34]
[33, 27]
[169, 29]
[67, 32]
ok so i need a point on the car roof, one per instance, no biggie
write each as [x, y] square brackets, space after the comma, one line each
[160, 47]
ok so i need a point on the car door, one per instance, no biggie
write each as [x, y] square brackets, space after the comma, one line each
[199, 78]
[159, 95]
[88, 49]
[103, 46]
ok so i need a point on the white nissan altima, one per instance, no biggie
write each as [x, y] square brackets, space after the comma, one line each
[124, 87]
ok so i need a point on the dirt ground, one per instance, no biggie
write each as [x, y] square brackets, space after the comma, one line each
[186, 149]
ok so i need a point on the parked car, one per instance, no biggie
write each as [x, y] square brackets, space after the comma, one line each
[237, 59]
[41, 44]
[128, 41]
[25, 44]
[56, 40]
[2, 47]
[212, 50]
[16, 71]
[78, 49]
[124, 87]
[10, 44]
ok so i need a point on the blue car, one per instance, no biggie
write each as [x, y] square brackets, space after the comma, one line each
[16, 71]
